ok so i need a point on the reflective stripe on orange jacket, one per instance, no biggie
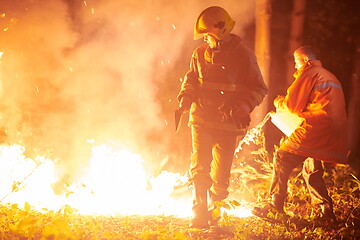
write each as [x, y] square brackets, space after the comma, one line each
[316, 95]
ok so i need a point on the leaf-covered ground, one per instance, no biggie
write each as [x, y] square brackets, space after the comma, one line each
[27, 223]
[22, 224]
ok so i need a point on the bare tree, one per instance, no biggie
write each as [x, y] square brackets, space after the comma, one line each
[354, 116]
[296, 35]
[262, 49]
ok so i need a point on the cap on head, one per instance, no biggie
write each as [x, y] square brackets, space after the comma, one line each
[215, 20]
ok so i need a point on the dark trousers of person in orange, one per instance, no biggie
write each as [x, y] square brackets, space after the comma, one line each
[312, 172]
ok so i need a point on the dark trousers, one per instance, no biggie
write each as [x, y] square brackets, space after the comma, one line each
[312, 171]
[210, 166]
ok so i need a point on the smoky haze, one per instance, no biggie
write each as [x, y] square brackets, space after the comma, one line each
[75, 74]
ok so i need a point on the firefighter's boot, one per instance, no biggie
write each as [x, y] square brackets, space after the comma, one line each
[263, 212]
[200, 208]
[214, 211]
[278, 201]
[275, 207]
[327, 213]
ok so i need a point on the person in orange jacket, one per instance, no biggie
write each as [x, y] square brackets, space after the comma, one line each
[221, 88]
[316, 96]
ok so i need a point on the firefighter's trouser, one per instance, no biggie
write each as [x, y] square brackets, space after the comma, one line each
[312, 171]
[211, 161]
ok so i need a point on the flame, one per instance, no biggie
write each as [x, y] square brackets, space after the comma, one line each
[119, 183]
[240, 212]
[114, 183]
[23, 179]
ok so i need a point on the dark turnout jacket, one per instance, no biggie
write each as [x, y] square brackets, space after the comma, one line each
[221, 81]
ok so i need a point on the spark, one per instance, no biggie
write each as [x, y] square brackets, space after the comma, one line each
[37, 89]
[70, 69]
[92, 10]
[85, 3]
[166, 123]
[174, 27]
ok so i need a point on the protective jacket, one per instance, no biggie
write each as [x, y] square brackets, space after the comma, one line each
[316, 95]
[222, 82]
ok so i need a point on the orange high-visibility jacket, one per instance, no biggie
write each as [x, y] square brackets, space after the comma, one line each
[222, 79]
[317, 96]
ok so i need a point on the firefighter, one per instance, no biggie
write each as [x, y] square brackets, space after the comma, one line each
[316, 95]
[221, 89]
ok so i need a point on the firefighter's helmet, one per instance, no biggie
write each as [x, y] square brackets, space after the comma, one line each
[215, 20]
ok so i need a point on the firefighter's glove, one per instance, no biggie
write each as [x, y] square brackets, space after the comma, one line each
[185, 103]
[241, 115]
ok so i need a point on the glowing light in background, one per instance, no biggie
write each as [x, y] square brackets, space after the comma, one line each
[90, 70]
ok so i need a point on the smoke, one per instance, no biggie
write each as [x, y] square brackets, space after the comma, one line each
[75, 74]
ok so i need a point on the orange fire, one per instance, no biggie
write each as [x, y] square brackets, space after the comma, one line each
[114, 183]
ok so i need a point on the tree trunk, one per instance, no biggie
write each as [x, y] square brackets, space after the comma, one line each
[262, 51]
[354, 116]
[296, 36]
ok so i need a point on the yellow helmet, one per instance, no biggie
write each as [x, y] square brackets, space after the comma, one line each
[215, 20]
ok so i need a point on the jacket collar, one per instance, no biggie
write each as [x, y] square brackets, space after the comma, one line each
[311, 63]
